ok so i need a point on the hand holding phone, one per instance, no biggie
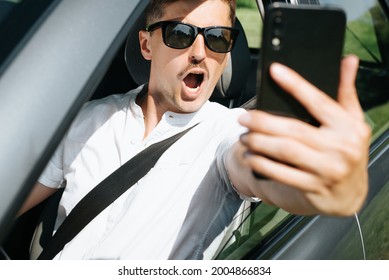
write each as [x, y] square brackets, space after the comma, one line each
[308, 39]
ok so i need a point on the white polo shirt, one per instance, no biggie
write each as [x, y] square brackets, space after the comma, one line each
[182, 206]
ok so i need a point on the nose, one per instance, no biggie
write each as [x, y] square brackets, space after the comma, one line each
[197, 51]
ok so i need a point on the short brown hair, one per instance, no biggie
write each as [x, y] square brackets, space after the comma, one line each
[156, 9]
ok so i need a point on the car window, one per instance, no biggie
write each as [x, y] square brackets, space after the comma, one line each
[17, 17]
[263, 221]
[248, 14]
[361, 38]
[367, 36]
[5, 8]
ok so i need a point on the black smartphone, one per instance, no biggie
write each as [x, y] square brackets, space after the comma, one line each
[308, 39]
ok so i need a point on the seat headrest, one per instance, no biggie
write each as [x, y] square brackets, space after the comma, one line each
[138, 67]
[232, 81]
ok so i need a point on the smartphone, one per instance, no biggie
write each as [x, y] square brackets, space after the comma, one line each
[308, 39]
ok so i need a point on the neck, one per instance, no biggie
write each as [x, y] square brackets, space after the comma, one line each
[152, 114]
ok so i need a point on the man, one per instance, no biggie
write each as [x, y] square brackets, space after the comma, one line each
[183, 206]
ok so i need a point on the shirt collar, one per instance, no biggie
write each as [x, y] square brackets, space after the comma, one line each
[172, 118]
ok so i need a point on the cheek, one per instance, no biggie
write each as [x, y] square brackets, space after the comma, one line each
[218, 67]
[173, 65]
[165, 72]
[165, 57]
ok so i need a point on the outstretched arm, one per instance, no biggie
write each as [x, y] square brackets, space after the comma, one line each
[317, 170]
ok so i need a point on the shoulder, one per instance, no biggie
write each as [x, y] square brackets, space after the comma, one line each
[221, 116]
[217, 110]
[222, 122]
[103, 107]
[94, 114]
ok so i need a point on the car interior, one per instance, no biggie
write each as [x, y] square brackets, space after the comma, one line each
[128, 70]
[236, 88]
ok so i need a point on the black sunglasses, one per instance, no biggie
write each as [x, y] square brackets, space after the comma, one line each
[179, 35]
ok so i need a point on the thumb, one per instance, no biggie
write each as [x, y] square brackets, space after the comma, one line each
[347, 93]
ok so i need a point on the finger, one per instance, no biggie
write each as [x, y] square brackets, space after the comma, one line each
[285, 150]
[322, 107]
[283, 173]
[324, 164]
[347, 93]
[265, 123]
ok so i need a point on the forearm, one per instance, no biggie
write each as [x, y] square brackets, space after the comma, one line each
[37, 195]
[269, 191]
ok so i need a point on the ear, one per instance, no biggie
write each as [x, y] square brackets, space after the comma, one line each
[144, 41]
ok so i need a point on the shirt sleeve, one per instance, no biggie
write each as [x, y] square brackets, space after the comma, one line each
[226, 178]
[222, 151]
[53, 174]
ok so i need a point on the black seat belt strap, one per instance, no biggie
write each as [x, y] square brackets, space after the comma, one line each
[105, 193]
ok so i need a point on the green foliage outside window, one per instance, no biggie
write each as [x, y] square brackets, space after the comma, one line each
[250, 4]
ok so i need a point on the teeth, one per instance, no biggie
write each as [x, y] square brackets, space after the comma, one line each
[193, 90]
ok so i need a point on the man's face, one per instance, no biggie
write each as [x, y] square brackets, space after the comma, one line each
[182, 80]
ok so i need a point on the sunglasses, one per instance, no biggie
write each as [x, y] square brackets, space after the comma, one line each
[179, 35]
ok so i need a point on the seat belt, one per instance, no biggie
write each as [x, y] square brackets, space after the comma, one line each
[105, 193]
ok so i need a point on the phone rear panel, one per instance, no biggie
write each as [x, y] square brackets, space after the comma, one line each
[308, 39]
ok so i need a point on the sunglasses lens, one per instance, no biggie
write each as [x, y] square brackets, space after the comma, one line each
[179, 36]
[219, 39]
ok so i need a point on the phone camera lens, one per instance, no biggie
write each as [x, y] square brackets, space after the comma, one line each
[277, 20]
[276, 42]
[277, 26]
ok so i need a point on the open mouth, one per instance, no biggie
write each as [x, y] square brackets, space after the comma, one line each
[193, 81]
